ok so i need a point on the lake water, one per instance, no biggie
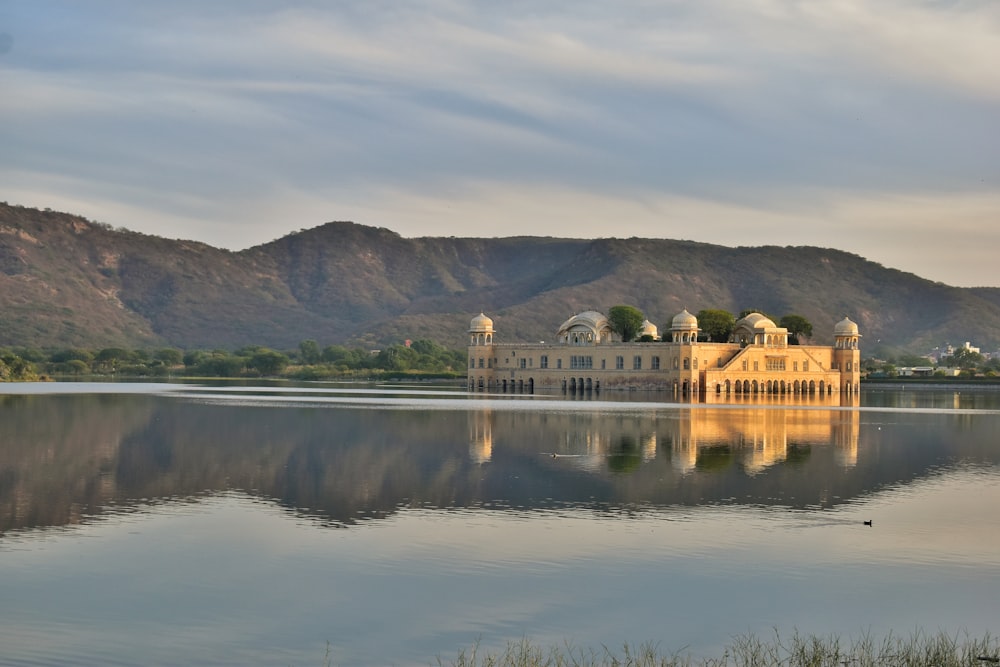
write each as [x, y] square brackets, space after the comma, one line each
[162, 524]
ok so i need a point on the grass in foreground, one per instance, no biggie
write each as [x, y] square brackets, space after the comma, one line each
[917, 650]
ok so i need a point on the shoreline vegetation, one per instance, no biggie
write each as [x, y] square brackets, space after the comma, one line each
[415, 360]
[799, 650]
[420, 359]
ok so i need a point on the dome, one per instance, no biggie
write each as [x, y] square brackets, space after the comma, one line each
[648, 329]
[481, 323]
[845, 327]
[684, 320]
[588, 327]
[589, 318]
[757, 321]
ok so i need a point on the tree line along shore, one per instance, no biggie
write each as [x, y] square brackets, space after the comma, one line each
[309, 361]
[420, 358]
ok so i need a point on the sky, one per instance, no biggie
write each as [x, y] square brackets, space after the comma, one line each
[870, 127]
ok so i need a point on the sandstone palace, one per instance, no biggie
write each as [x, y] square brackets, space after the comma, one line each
[588, 356]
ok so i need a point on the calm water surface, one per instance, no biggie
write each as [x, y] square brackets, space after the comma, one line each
[182, 524]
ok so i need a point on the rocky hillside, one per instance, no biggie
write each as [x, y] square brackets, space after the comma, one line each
[66, 281]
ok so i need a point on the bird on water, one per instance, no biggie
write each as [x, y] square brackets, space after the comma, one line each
[868, 523]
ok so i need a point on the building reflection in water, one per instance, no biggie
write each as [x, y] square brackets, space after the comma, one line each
[481, 436]
[757, 434]
[762, 436]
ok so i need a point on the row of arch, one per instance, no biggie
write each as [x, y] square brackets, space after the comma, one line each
[739, 387]
[776, 387]
[505, 386]
[528, 386]
[581, 384]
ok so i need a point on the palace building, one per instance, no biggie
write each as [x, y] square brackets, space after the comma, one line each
[588, 356]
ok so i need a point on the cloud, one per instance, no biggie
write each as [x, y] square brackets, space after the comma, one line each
[951, 44]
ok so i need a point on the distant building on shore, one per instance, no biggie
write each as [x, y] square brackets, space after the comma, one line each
[588, 356]
[939, 353]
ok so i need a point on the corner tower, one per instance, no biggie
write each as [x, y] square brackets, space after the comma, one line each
[847, 355]
[481, 353]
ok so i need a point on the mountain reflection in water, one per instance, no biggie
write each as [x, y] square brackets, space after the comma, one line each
[67, 457]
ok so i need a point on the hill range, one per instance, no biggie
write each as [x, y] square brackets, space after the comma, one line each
[66, 281]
